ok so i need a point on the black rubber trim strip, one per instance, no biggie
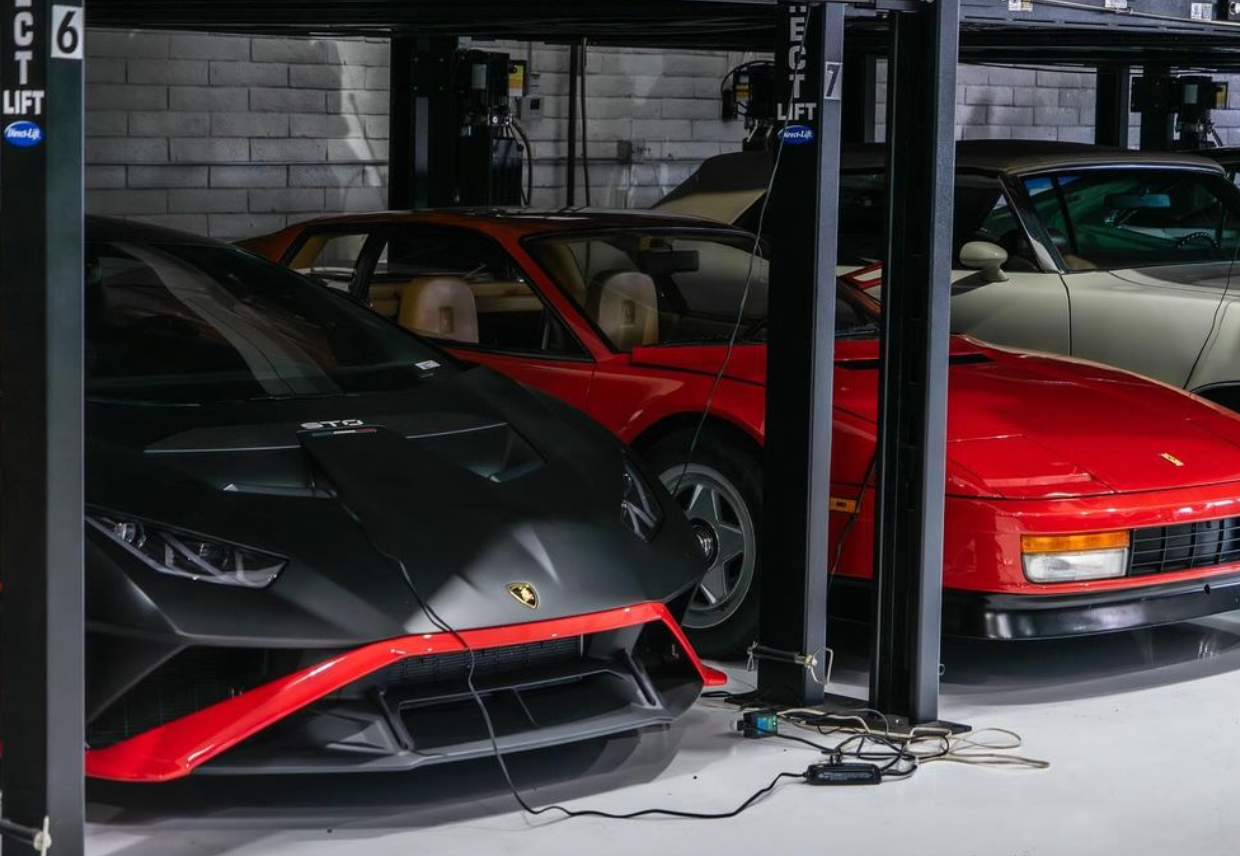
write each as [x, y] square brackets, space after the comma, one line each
[984, 615]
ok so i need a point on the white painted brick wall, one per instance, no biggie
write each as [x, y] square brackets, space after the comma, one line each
[233, 136]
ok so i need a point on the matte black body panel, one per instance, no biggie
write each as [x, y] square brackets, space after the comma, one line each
[468, 479]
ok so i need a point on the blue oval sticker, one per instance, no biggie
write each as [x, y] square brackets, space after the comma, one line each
[797, 135]
[23, 134]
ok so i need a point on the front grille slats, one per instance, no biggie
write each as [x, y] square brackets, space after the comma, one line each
[452, 668]
[1185, 546]
[191, 680]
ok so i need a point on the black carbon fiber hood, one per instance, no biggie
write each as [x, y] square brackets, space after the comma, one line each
[470, 480]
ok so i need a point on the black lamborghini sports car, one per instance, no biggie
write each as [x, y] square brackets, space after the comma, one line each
[305, 526]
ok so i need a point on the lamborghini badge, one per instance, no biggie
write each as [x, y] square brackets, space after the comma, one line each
[525, 594]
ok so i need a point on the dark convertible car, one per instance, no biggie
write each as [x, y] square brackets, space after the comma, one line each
[313, 536]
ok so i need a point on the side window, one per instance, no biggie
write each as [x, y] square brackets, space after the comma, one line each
[463, 287]
[984, 214]
[1108, 219]
[330, 257]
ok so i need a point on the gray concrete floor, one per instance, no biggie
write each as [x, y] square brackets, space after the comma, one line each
[1142, 731]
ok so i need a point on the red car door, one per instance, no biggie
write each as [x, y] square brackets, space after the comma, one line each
[568, 379]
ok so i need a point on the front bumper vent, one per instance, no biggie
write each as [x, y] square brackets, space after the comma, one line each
[488, 663]
[1185, 546]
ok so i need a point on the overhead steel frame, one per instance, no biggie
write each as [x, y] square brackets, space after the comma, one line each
[41, 454]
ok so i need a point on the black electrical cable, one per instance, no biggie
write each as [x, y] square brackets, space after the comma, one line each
[529, 161]
[852, 520]
[755, 254]
[498, 753]
[1218, 310]
[825, 750]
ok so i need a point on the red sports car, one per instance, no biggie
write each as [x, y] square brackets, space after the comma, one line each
[1081, 499]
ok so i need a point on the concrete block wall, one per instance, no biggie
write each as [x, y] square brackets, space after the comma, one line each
[1000, 103]
[1019, 103]
[233, 136]
[652, 118]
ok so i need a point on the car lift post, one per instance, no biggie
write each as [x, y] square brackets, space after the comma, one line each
[912, 414]
[1157, 119]
[1111, 110]
[860, 122]
[41, 447]
[801, 352]
[570, 167]
[422, 159]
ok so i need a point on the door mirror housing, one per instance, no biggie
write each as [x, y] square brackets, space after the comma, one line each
[985, 257]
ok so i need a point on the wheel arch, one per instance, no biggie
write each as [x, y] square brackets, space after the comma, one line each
[1225, 394]
[669, 425]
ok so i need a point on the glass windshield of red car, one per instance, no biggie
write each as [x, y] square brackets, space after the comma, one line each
[1113, 218]
[662, 288]
[191, 323]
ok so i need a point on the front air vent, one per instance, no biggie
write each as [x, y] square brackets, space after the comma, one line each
[954, 360]
[1185, 546]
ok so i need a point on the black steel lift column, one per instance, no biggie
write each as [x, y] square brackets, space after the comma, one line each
[423, 145]
[801, 350]
[912, 415]
[1113, 106]
[41, 458]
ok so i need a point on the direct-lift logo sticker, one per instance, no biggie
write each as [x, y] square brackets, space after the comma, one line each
[797, 135]
[24, 134]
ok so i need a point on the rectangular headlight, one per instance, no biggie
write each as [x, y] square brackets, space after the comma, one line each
[193, 557]
[1075, 558]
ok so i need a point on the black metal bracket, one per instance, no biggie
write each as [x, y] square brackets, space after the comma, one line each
[40, 840]
[809, 662]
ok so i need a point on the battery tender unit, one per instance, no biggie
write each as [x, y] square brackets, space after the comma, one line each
[756, 724]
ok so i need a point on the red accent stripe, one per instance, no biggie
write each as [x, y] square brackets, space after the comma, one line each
[867, 277]
[176, 748]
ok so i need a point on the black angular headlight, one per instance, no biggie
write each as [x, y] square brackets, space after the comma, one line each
[639, 507]
[183, 554]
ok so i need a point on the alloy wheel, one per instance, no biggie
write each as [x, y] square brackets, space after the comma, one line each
[724, 524]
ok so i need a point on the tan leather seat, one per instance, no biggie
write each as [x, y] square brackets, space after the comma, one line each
[439, 306]
[627, 309]
[504, 297]
[385, 298]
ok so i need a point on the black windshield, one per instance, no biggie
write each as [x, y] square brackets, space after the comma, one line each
[189, 323]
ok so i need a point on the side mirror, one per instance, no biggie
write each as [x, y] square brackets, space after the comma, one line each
[987, 257]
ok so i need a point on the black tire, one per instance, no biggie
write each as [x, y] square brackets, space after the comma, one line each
[730, 469]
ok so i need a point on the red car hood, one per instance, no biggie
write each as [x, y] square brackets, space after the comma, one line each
[1025, 426]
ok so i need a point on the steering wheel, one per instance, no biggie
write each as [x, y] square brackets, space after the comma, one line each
[1184, 240]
